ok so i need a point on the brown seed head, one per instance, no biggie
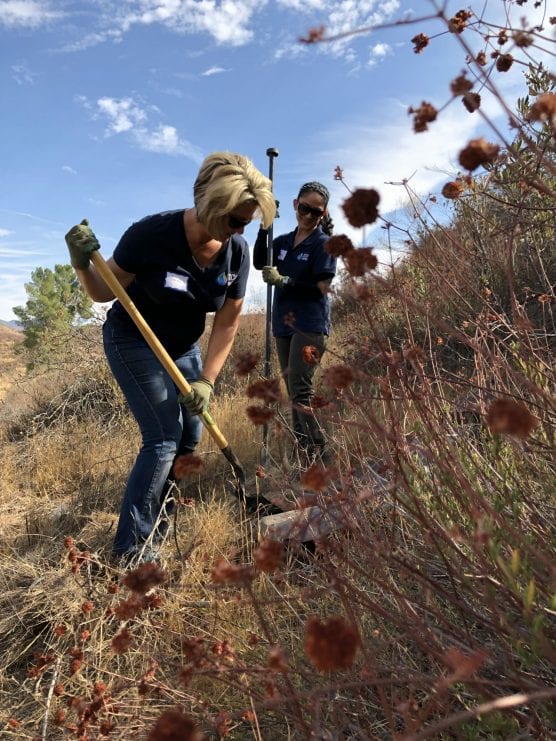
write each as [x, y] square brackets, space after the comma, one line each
[316, 477]
[544, 109]
[461, 85]
[313, 35]
[173, 725]
[360, 261]
[472, 101]
[266, 389]
[338, 376]
[453, 189]
[478, 152]
[420, 42]
[259, 415]
[331, 644]
[510, 417]
[361, 207]
[277, 661]
[268, 556]
[522, 39]
[504, 62]
[187, 464]
[224, 572]
[422, 116]
[458, 23]
[122, 641]
[481, 58]
[311, 355]
[338, 245]
[145, 577]
[338, 173]
[502, 37]
[246, 362]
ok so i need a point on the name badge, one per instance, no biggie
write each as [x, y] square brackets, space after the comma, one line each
[176, 282]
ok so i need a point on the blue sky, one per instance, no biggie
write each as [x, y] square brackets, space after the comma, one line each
[109, 106]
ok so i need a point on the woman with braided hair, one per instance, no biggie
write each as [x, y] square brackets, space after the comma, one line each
[301, 273]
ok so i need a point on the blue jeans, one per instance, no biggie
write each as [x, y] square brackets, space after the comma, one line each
[167, 430]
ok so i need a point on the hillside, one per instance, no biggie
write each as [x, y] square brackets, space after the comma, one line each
[11, 365]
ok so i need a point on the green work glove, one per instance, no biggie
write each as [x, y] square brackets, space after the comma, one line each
[273, 277]
[81, 243]
[197, 400]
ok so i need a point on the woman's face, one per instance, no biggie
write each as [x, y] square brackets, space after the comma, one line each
[236, 221]
[309, 208]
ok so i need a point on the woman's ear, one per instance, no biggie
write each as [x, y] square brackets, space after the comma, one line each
[295, 204]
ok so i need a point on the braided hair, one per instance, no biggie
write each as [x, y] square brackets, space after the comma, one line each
[326, 223]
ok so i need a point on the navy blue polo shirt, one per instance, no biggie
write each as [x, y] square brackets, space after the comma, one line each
[169, 289]
[302, 307]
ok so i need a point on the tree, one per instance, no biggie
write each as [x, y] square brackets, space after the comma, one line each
[55, 304]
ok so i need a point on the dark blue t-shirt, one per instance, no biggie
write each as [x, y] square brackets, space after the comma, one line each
[302, 307]
[169, 289]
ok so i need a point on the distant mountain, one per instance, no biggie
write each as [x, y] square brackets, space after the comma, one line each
[13, 324]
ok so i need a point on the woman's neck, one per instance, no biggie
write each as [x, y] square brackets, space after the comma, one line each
[204, 248]
[301, 235]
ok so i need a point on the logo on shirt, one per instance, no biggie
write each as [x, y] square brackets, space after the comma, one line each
[303, 256]
[226, 279]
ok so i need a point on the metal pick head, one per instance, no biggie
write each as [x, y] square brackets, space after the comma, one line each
[272, 152]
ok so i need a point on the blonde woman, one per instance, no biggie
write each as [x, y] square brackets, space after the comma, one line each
[177, 266]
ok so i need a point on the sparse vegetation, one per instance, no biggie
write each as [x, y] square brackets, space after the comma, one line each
[431, 613]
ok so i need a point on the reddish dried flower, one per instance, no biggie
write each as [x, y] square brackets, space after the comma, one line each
[338, 376]
[544, 109]
[268, 556]
[145, 577]
[504, 62]
[510, 417]
[458, 23]
[69, 542]
[253, 639]
[453, 189]
[153, 601]
[59, 630]
[313, 36]
[522, 39]
[311, 354]
[84, 635]
[266, 389]
[425, 114]
[113, 587]
[223, 724]
[246, 362]
[338, 173]
[544, 298]
[187, 464]
[502, 37]
[462, 84]
[74, 666]
[224, 572]
[173, 725]
[462, 665]
[259, 415]
[277, 661]
[106, 727]
[360, 261]
[472, 101]
[122, 641]
[481, 58]
[421, 41]
[13, 724]
[260, 473]
[478, 152]
[361, 207]
[331, 644]
[316, 477]
[59, 689]
[87, 607]
[59, 717]
[413, 353]
[319, 402]
[338, 245]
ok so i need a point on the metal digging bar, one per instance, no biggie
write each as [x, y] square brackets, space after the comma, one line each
[271, 153]
[176, 375]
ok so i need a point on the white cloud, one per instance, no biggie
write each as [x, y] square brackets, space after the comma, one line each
[122, 114]
[23, 75]
[26, 13]
[69, 170]
[126, 116]
[213, 71]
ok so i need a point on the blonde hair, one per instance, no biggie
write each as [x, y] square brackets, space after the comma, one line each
[227, 180]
